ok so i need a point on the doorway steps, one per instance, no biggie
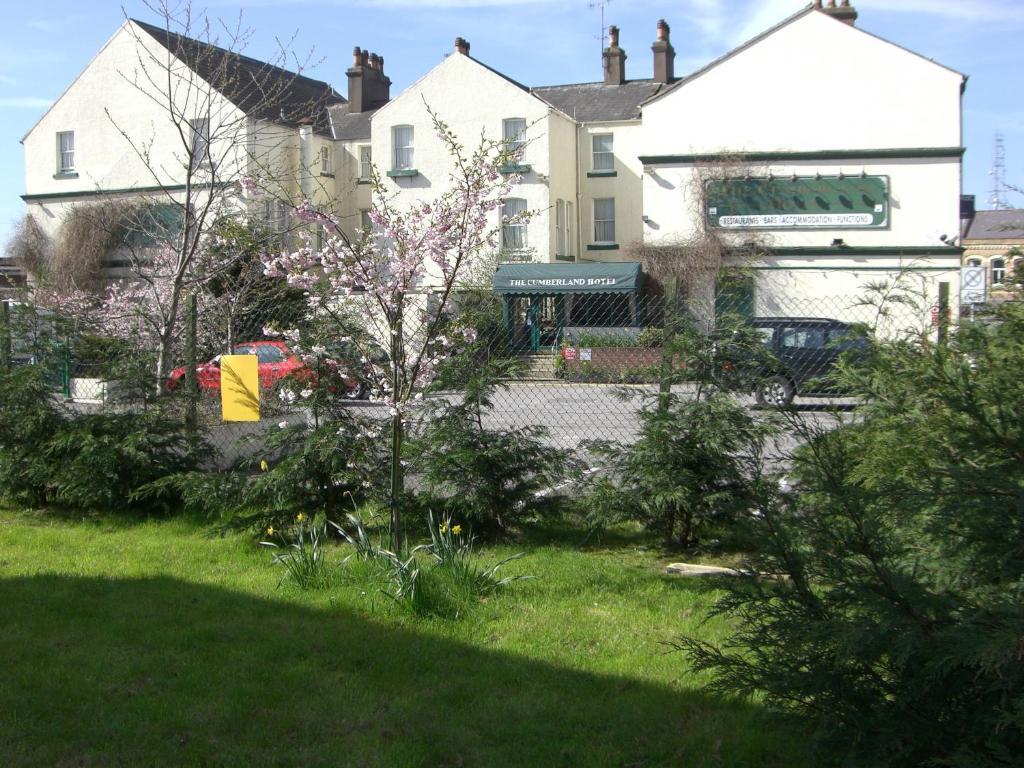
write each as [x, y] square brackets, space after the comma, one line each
[539, 366]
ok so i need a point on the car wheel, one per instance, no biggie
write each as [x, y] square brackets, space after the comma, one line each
[775, 390]
[358, 392]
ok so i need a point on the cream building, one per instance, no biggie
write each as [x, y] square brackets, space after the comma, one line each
[119, 132]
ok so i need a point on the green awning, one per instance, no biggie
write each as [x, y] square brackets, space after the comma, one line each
[534, 279]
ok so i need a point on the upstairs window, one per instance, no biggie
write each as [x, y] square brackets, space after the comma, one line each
[326, 161]
[604, 158]
[513, 227]
[66, 152]
[366, 162]
[513, 134]
[604, 220]
[402, 141]
[570, 223]
[998, 266]
[201, 141]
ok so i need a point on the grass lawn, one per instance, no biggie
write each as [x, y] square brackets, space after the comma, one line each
[152, 644]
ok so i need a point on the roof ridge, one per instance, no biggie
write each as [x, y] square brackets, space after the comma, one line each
[155, 30]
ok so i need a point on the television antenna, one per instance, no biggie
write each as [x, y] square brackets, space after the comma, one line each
[602, 4]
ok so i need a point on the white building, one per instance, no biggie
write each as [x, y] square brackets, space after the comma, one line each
[834, 151]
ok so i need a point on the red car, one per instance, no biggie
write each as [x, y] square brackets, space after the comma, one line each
[276, 362]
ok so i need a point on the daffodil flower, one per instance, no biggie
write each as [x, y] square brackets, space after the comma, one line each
[300, 517]
[264, 466]
[456, 529]
[270, 530]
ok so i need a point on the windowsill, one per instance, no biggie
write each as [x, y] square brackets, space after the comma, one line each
[603, 247]
[327, 175]
[564, 258]
[601, 174]
[66, 175]
[402, 173]
[365, 181]
[515, 169]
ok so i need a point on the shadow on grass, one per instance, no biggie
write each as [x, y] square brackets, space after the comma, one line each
[161, 672]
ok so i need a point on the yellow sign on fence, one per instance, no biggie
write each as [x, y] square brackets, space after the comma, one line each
[239, 388]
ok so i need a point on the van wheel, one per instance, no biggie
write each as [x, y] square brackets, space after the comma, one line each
[776, 390]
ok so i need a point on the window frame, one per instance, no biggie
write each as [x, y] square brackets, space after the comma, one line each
[514, 142]
[570, 220]
[326, 161]
[559, 228]
[604, 153]
[398, 164]
[61, 152]
[605, 221]
[200, 145]
[1002, 270]
[365, 162]
[516, 231]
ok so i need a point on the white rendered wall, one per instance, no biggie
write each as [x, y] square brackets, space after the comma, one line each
[471, 99]
[626, 187]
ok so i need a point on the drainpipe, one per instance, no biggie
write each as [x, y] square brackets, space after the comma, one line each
[306, 160]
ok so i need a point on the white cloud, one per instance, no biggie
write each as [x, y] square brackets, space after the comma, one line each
[24, 102]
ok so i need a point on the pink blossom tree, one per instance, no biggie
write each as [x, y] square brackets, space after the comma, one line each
[401, 277]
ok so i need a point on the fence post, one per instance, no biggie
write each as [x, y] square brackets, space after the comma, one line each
[5, 336]
[66, 369]
[943, 334]
[191, 384]
[670, 320]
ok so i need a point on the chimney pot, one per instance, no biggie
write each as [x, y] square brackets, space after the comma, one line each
[380, 64]
[462, 46]
[844, 12]
[368, 87]
[613, 36]
[356, 52]
[374, 61]
[663, 29]
[364, 58]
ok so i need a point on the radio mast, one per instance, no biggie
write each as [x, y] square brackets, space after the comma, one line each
[996, 198]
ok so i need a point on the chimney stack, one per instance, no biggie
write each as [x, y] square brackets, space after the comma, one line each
[664, 55]
[368, 86]
[844, 12]
[614, 59]
[462, 46]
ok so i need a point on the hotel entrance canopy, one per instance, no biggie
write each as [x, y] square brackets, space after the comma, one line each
[549, 279]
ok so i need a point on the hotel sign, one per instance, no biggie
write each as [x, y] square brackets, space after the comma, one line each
[811, 202]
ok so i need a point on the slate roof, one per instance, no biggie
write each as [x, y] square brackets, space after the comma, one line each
[997, 225]
[349, 126]
[259, 89]
[596, 102]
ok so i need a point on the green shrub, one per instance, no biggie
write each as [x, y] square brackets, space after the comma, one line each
[91, 461]
[693, 466]
[899, 626]
[301, 553]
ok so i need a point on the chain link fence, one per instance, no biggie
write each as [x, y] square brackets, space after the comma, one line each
[574, 364]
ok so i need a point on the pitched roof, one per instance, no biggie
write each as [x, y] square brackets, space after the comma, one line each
[259, 89]
[597, 102]
[997, 225]
[349, 126]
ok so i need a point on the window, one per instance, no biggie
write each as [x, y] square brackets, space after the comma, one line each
[66, 152]
[513, 132]
[364, 220]
[326, 164]
[401, 140]
[604, 220]
[998, 265]
[201, 141]
[604, 159]
[513, 233]
[560, 228]
[366, 162]
[275, 215]
[803, 338]
[570, 223]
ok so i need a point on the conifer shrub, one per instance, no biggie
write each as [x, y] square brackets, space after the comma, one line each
[896, 617]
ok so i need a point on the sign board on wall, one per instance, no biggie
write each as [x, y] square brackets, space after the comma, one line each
[973, 287]
[799, 202]
[239, 388]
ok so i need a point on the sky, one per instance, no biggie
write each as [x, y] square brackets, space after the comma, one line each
[44, 45]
